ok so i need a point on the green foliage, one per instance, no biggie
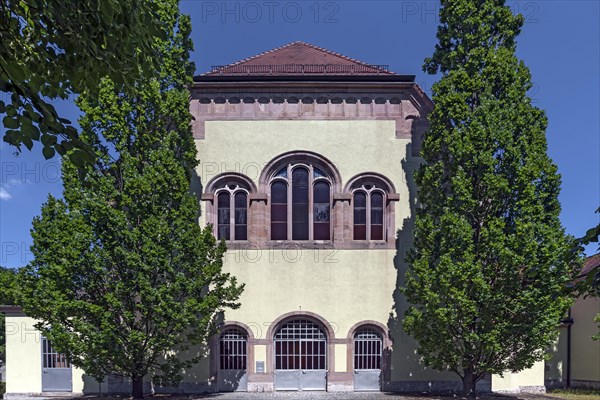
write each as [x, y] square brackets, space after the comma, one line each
[124, 279]
[490, 257]
[590, 285]
[8, 283]
[51, 49]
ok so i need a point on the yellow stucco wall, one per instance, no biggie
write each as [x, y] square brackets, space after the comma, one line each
[556, 366]
[23, 356]
[585, 353]
[340, 357]
[515, 381]
[345, 289]
[260, 354]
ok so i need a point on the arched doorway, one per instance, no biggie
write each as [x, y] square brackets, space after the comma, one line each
[367, 359]
[300, 351]
[233, 361]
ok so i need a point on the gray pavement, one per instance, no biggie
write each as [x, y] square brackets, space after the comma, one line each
[304, 396]
[361, 396]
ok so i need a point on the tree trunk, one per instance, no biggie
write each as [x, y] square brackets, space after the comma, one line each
[137, 387]
[469, 383]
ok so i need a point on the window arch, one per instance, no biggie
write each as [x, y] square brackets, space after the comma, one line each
[301, 199]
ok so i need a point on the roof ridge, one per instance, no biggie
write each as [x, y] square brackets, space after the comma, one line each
[264, 53]
[339, 55]
[253, 57]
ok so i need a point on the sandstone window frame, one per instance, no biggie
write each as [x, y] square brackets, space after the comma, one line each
[233, 192]
[371, 183]
[370, 210]
[320, 169]
[294, 209]
[232, 184]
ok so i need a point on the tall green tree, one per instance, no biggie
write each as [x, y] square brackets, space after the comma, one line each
[51, 49]
[123, 278]
[490, 257]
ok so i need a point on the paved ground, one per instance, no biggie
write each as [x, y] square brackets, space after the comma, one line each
[309, 396]
[355, 396]
[329, 396]
[365, 396]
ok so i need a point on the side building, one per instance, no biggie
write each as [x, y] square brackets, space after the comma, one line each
[306, 172]
[575, 358]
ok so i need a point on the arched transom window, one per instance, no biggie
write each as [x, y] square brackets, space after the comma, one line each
[368, 205]
[300, 203]
[232, 212]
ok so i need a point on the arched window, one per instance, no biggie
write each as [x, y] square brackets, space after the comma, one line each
[368, 203]
[308, 215]
[232, 213]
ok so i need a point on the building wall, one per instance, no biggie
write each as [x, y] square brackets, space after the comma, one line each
[342, 286]
[585, 356]
[556, 366]
[23, 356]
[529, 380]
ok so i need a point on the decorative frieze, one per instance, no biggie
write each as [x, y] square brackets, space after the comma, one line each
[403, 108]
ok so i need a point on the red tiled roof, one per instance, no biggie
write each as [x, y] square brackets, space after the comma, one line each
[589, 264]
[298, 58]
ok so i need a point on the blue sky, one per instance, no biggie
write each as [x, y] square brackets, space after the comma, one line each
[560, 43]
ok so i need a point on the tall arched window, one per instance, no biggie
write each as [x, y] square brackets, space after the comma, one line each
[368, 204]
[232, 213]
[308, 215]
